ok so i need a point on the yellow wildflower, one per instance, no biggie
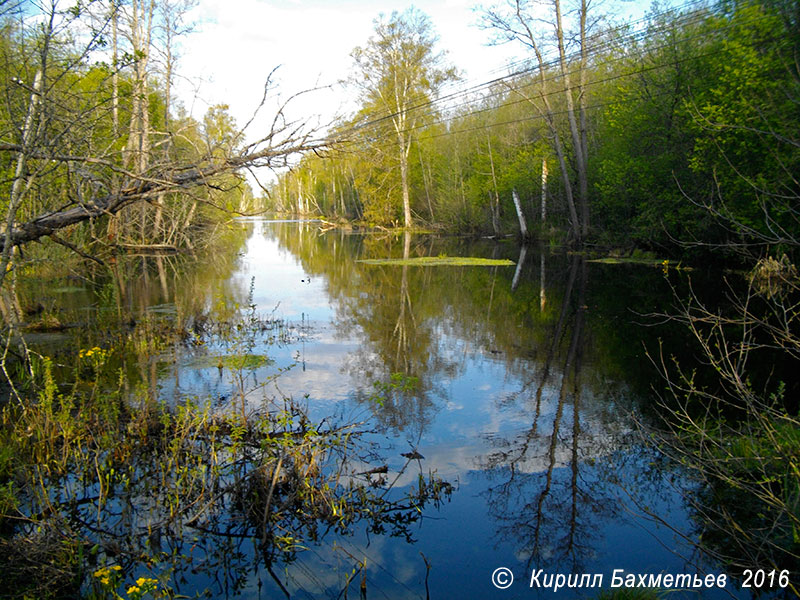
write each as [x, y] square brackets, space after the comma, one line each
[104, 573]
[133, 590]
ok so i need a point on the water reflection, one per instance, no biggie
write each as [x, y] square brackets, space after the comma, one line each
[389, 313]
[514, 383]
[527, 378]
[126, 287]
[538, 495]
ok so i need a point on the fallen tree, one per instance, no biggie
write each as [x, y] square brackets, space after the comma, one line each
[83, 139]
[146, 187]
[67, 156]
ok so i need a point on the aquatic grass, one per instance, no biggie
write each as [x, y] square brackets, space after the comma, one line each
[621, 260]
[641, 258]
[233, 362]
[99, 471]
[437, 261]
[276, 477]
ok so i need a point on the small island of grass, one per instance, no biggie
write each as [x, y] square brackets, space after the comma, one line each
[437, 261]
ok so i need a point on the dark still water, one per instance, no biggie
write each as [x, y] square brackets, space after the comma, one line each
[529, 383]
[524, 391]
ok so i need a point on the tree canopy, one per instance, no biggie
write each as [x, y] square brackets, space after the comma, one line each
[90, 133]
[396, 73]
[676, 134]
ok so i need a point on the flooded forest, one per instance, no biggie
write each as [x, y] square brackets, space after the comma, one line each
[530, 335]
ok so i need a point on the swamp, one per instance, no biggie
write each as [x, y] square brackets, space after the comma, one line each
[529, 334]
[284, 417]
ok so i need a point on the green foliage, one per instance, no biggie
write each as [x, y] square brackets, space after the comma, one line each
[86, 111]
[641, 164]
[692, 138]
[735, 425]
[744, 121]
[395, 72]
[698, 140]
[398, 383]
[234, 362]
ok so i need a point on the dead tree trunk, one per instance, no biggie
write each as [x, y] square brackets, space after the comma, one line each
[21, 181]
[578, 136]
[523, 226]
[519, 24]
[544, 191]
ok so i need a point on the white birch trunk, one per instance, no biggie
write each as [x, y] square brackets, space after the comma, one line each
[523, 227]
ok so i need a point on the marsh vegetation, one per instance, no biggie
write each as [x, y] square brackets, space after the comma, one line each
[586, 360]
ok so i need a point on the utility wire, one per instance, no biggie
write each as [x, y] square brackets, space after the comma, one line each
[502, 86]
[422, 101]
[504, 92]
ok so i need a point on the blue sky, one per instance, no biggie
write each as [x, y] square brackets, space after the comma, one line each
[238, 42]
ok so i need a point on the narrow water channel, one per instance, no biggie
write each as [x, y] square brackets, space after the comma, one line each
[524, 390]
[527, 385]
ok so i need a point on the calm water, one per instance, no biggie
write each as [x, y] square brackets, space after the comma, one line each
[528, 384]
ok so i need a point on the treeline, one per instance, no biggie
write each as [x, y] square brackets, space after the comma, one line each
[681, 128]
[88, 114]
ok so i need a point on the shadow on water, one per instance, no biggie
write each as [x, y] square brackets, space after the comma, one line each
[278, 418]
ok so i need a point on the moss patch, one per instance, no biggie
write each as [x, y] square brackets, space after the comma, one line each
[634, 260]
[613, 260]
[233, 362]
[438, 261]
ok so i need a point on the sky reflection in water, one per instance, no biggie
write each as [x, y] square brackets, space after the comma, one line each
[523, 403]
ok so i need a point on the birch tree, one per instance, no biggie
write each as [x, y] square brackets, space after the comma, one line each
[139, 16]
[398, 74]
[549, 40]
[62, 160]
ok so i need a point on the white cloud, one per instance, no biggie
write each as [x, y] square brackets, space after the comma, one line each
[237, 44]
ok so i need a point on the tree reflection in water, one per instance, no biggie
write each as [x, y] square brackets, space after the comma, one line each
[198, 497]
[109, 471]
[452, 351]
[398, 337]
[547, 509]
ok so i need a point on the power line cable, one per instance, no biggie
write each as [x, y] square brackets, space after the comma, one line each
[558, 92]
[423, 101]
